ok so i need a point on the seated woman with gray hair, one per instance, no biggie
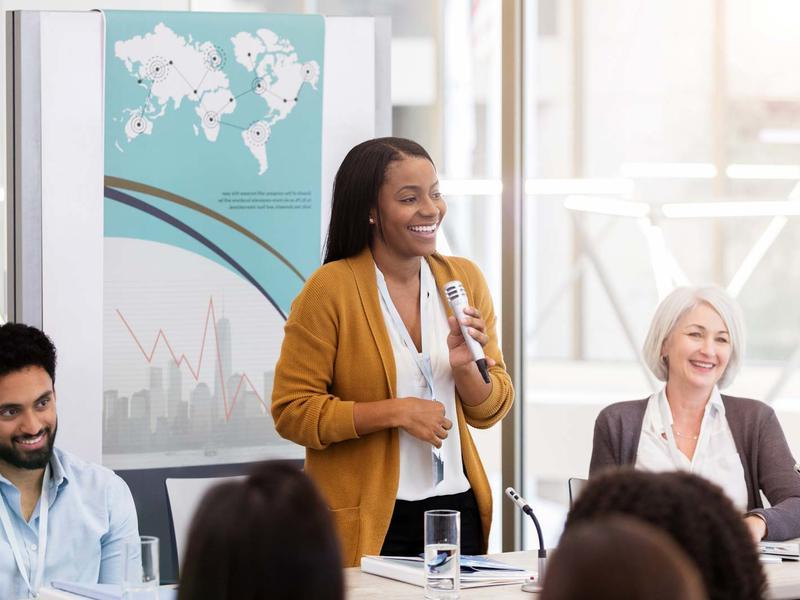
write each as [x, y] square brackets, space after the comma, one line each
[695, 345]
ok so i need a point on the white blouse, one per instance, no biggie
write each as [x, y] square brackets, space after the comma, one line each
[416, 473]
[715, 456]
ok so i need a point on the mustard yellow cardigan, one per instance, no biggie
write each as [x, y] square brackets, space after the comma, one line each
[337, 352]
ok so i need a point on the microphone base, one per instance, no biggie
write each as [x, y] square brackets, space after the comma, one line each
[532, 586]
[484, 369]
[542, 569]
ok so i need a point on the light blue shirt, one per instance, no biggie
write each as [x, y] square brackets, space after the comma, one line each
[91, 517]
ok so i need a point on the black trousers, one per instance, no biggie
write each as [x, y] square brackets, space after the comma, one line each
[407, 527]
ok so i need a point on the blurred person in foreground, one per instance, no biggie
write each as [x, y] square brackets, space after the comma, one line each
[695, 345]
[269, 536]
[375, 378]
[620, 558]
[694, 512]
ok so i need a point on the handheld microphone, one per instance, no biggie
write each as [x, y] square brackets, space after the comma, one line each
[457, 297]
[525, 507]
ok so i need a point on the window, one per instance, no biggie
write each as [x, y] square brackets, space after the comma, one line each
[650, 111]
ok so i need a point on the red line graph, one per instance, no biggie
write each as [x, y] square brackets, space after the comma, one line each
[195, 371]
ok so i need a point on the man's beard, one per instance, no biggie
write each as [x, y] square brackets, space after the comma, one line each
[36, 459]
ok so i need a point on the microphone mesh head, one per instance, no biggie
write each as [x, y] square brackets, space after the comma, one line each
[454, 289]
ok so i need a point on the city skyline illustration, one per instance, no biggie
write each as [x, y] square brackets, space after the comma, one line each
[182, 411]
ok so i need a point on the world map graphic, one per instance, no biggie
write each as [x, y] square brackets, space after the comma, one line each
[173, 70]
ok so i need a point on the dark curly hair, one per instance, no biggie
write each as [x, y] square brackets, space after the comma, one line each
[24, 346]
[268, 536]
[695, 512]
[620, 558]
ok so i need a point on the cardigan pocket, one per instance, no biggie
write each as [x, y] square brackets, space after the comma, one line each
[348, 526]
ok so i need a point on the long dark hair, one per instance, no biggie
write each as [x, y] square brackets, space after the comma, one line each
[270, 536]
[355, 191]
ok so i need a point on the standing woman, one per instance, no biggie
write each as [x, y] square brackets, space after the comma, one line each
[695, 344]
[374, 378]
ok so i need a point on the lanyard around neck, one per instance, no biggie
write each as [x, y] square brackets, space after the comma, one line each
[44, 509]
[423, 359]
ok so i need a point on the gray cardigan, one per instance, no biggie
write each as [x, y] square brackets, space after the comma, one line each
[767, 461]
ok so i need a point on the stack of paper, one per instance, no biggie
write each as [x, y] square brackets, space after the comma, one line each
[476, 571]
[780, 550]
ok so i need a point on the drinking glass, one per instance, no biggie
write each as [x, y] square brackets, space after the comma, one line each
[442, 554]
[140, 571]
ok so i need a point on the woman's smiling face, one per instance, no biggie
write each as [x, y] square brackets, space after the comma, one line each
[698, 348]
[410, 208]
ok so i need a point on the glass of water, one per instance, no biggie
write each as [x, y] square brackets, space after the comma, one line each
[442, 554]
[140, 571]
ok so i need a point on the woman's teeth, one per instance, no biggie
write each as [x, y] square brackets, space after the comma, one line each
[423, 228]
[702, 365]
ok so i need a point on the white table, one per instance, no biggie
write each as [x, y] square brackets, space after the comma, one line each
[783, 580]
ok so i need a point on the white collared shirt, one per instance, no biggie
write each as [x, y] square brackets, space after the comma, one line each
[416, 478]
[715, 456]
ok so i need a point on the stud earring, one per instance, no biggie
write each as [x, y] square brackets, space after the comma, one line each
[371, 221]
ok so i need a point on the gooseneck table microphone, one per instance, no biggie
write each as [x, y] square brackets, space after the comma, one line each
[525, 507]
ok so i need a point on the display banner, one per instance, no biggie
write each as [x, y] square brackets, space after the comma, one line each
[213, 159]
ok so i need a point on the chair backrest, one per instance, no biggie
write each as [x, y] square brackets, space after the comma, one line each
[152, 507]
[576, 485]
[183, 496]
